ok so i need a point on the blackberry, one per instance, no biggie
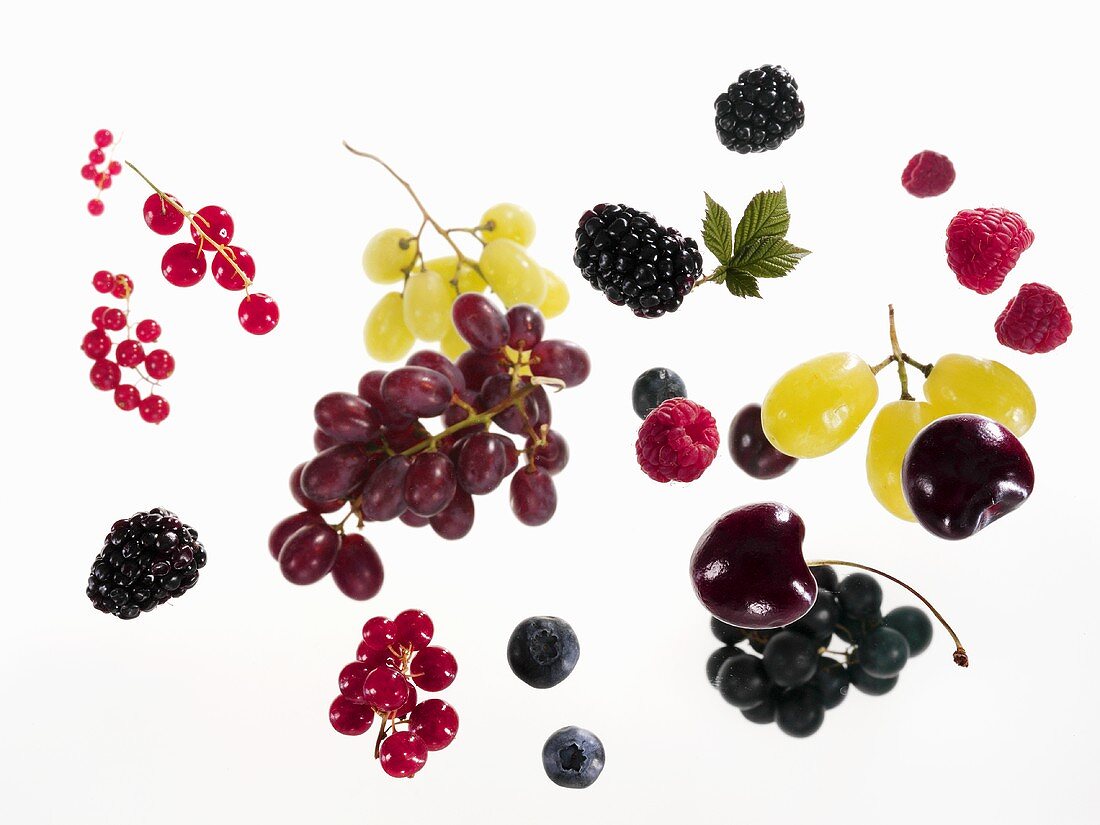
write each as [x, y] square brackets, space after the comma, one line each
[635, 261]
[146, 560]
[760, 111]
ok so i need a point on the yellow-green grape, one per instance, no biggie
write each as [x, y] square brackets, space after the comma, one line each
[962, 384]
[512, 274]
[444, 266]
[388, 255]
[470, 281]
[386, 336]
[894, 429]
[557, 295]
[818, 405]
[428, 299]
[509, 221]
[452, 344]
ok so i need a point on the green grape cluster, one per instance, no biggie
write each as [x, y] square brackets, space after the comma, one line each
[421, 309]
[817, 406]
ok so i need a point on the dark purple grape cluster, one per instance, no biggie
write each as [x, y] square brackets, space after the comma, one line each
[378, 456]
[796, 678]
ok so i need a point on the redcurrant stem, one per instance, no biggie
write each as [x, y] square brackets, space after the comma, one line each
[960, 656]
[226, 253]
[443, 233]
[380, 739]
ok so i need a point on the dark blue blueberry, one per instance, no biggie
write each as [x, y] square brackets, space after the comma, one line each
[573, 757]
[655, 386]
[543, 650]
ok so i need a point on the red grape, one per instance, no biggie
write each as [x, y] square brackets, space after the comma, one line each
[525, 327]
[334, 472]
[563, 360]
[309, 553]
[296, 491]
[482, 463]
[478, 366]
[430, 483]
[417, 391]
[440, 363]
[533, 497]
[346, 417]
[287, 528]
[481, 324]
[383, 495]
[552, 456]
[358, 569]
[456, 519]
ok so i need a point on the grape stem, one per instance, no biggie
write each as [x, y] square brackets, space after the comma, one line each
[960, 655]
[481, 419]
[225, 251]
[899, 356]
[428, 219]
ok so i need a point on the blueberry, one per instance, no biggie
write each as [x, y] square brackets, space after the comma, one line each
[655, 386]
[573, 757]
[543, 650]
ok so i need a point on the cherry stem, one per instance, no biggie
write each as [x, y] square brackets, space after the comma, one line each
[961, 659]
[428, 219]
[225, 252]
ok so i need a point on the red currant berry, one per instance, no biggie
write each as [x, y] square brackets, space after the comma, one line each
[161, 217]
[105, 375]
[351, 681]
[97, 317]
[378, 633]
[96, 344]
[147, 331]
[183, 264]
[228, 277]
[103, 180]
[215, 223]
[95, 206]
[160, 364]
[114, 319]
[153, 409]
[402, 754]
[114, 167]
[372, 657]
[349, 718]
[435, 722]
[410, 703]
[123, 287]
[127, 397]
[103, 281]
[433, 668]
[386, 689]
[88, 171]
[96, 156]
[129, 353]
[104, 138]
[258, 313]
[413, 628]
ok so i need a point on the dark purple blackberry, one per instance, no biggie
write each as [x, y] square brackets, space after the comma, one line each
[635, 261]
[760, 111]
[146, 560]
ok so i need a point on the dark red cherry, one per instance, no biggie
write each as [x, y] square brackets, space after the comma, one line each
[750, 448]
[964, 472]
[748, 568]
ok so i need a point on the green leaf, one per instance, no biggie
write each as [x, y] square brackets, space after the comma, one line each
[766, 215]
[718, 230]
[719, 275]
[767, 257]
[742, 284]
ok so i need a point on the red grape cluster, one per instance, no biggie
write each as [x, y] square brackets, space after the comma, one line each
[130, 353]
[375, 454]
[184, 264]
[92, 171]
[393, 660]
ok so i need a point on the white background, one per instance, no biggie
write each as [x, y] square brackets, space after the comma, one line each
[214, 708]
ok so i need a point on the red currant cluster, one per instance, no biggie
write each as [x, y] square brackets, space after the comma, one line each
[184, 264]
[129, 353]
[100, 177]
[393, 660]
[375, 455]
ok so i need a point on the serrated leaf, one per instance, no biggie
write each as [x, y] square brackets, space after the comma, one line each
[718, 230]
[767, 257]
[766, 215]
[719, 275]
[742, 284]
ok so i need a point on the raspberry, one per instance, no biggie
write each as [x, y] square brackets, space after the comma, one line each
[1036, 320]
[984, 244]
[677, 441]
[928, 174]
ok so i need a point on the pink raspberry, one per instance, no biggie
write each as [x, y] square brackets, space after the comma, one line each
[1036, 320]
[928, 174]
[677, 441]
[984, 244]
